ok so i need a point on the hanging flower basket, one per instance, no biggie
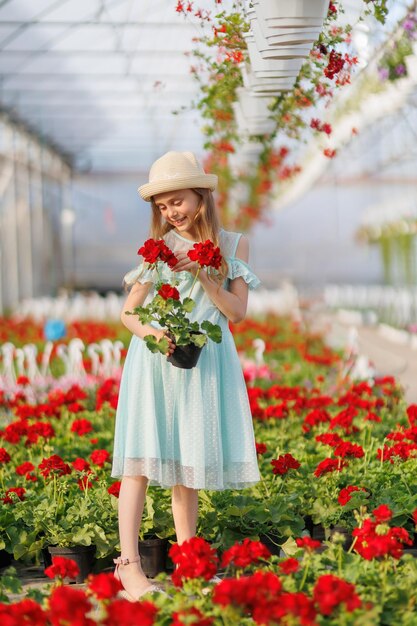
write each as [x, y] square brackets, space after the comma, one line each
[275, 67]
[265, 35]
[292, 12]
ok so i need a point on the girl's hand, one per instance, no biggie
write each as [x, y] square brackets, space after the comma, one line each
[185, 264]
[163, 334]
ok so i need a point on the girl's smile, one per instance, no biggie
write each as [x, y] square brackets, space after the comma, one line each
[179, 208]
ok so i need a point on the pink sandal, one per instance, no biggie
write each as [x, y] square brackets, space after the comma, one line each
[124, 594]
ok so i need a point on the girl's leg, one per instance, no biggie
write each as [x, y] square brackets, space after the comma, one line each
[185, 511]
[131, 503]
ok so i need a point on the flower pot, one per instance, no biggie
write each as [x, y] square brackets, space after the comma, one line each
[185, 357]
[5, 558]
[341, 530]
[292, 12]
[267, 85]
[277, 67]
[272, 542]
[82, 555]
[153, 555]
[266, 36]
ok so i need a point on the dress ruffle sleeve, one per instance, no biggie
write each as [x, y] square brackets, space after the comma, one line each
[141, 274]
[239, 269]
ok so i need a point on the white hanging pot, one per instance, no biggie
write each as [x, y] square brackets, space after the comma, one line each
[252, 106]
[269, 84]
[311, 12]
[266, 36]
[278, 66]
[253, 125]
[298, 51]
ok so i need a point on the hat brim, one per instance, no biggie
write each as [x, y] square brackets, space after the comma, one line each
[206, 181]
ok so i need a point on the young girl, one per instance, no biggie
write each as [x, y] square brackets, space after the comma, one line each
[186, 429]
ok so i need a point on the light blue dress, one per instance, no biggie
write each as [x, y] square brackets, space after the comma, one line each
[189, 427]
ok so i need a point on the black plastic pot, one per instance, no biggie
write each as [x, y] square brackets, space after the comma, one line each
[5, 558]
[153, 555]
[82, 555]
[272, 542]
[341, 530]
[186, 357]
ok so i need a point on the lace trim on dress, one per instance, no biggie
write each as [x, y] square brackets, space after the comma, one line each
[239, 269]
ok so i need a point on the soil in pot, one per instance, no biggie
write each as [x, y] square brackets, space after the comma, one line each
[82, 555]
[153, 555]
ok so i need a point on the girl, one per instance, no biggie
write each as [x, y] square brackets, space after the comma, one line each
[178, 428]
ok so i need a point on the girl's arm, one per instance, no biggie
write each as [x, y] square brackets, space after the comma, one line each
[136, 297]
[233, 303]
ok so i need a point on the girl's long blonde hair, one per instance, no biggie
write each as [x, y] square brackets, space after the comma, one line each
[206, 223]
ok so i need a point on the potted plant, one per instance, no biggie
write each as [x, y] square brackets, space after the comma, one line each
[155, 531]
[170, 312]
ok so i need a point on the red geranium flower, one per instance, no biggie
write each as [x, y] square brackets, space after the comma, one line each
[54, 464]
[104, 586]
[345, 494]
[157, 250]
[245, 553]
[99, 457]
[123, 613]
[205, 254]
[330, 592]
[382, 514]
[62, 568]
[260, 448]
[81, 465]
[346, 448]
[114, 489]
[308, 543]
[24, 613]
[289, 566]
[329, 465]
[166, 291]
[4, 456]
[284, 463]
[194, 558]
[81, 427]
[70, 606]
[18, 491]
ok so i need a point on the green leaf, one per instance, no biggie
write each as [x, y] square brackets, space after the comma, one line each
[188, 304]
[199, 340]
[214, 331]
[156, 346]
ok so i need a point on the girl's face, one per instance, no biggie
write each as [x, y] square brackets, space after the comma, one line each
[179, 208]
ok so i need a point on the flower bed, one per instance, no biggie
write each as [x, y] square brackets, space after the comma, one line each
[334, 454]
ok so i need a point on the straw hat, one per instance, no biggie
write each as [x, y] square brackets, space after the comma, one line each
[176, 170]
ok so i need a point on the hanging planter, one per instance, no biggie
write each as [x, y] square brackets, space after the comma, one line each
[253, 106]
[254, 126]
[266, 84]
[282, 66]
[292, 12]
[266, 36]
[299, 51]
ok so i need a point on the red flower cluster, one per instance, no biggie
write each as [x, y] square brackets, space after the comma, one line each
[330, 592]
[401, 450]
[25, 470]
[19, 493]
[284, 463]
[26, 612]
[261, 595]
[54, 464]
[205, 254]
[246, 553]
[329, 465]
[114, 489]
[308, 543]
[260, 448]
[346, 448]
[104, 586]
[123, 613]
[345, 494]
[4, 456]
[107, 392]
[62, 568]
[157, 250]
[321, 127]
[329, 439]
[194, 559]
[289, 566]
[376, 539]
[81, 427]
[99, 457]
[335, 64]
[166, 291]
[315, 417]
[344, 420]
[69, 606]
